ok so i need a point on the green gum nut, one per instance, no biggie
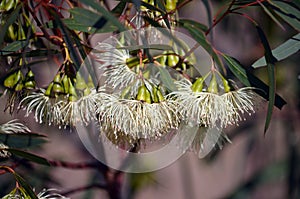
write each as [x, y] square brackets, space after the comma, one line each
[49, 89]
[143, 94]
[11, 32]
[226, 85]
[72, 92]
[29, 80]
[9, 82]
[154, 94]
[162, 60]
[80, 82]
[172, 60]
[65, 83]
[57, 87]
[160, 96]
[213, 85]
[19, 81]
[171, 5]
[197, 86]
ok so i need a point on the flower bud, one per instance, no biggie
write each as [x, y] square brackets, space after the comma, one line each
[143, 94]
[198, 85]
[213, 85]
[57, 87]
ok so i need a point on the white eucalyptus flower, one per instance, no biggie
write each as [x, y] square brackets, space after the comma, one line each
[13, 126]
[202, 108]
[113, 62]
[238, 103]
[46, 110]
[135, 118]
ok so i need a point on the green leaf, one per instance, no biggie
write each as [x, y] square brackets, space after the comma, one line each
[271, 75]
[29, 156]
[13, 47]
[288, 12]
[10, 20]
[283, 51]
[27, 188]
[193, 23]
[22, 140]
[88, 21]
[110, 17]
[167, 79]
[271, 15]
[250, 80]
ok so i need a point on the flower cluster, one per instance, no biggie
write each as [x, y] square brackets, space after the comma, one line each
[209, 107]
[65, 102]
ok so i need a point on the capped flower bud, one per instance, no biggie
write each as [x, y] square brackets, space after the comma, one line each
[197, 86]
[29, 80]
[9, 82]
[144, 94]
[80, 82]
[57, 87]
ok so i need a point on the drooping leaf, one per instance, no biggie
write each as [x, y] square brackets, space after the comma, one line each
[250, 80]
[268, 12]
[29, 156]
[286, 49]
[26, 187]
[109, 16]
[288, 11]
[270, 59]
[193, 23]
[10, 20]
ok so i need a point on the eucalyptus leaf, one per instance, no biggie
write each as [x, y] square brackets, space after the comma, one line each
[27, 188]
[250, 80]
[109, 16]
[288, 12]
[29, 156]
[286, 49]
[270, 59]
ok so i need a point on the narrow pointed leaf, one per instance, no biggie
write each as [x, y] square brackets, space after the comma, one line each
[283, 51]
[270, 59]
[27, 188]
[108, 15]
[288, 11]
[29, 156]
[13, 47]
[22, 140]
[250, 80]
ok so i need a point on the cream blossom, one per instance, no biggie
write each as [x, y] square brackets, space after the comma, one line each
[113, 63]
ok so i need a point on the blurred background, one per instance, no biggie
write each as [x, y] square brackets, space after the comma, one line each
[252, 166]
